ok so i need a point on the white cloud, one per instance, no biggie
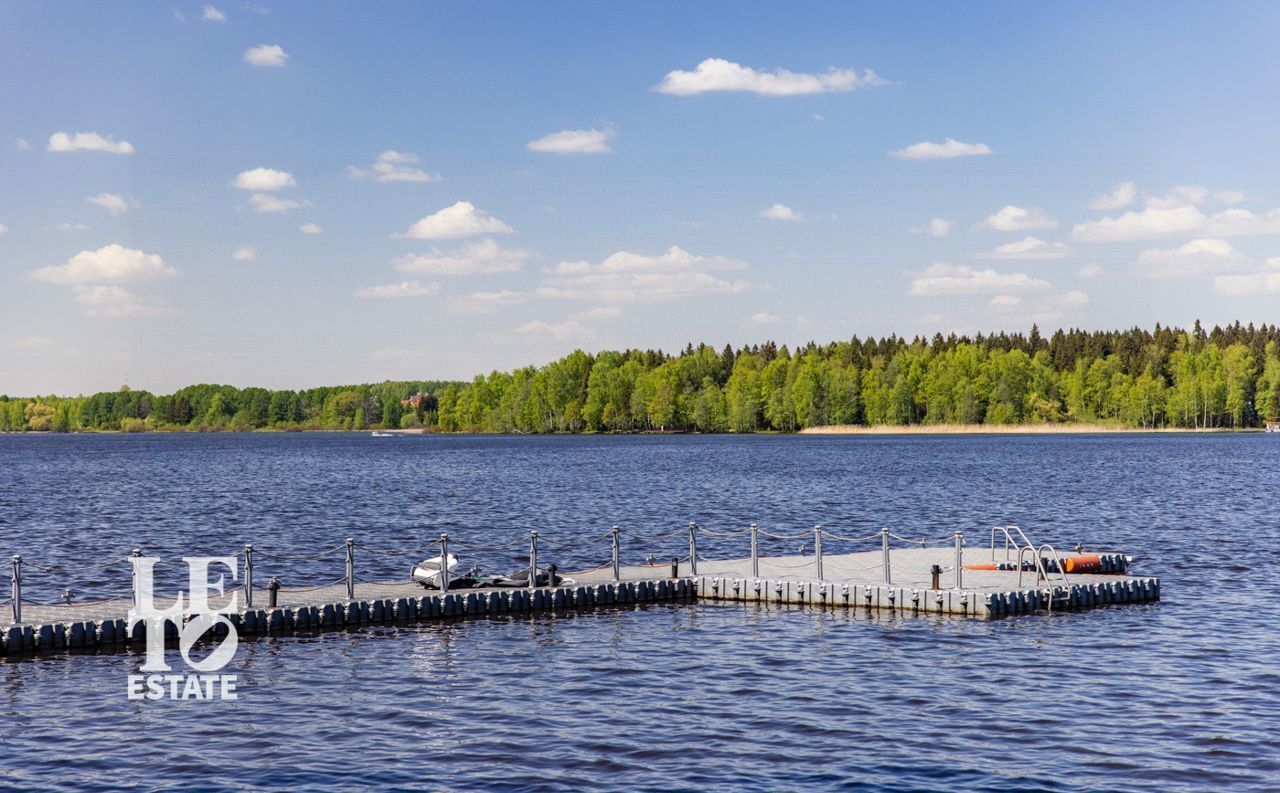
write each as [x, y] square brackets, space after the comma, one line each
[1012, 218]
[764, 318]
[1227, 196]
[488, 302]
[573, 141]
[1198, 257]
[67, 225]
[310, 228]
[1251, 284]
[1144, 224]
[717, 74]
[597, 313]
[779, 212]
[268, 179]
[462, 219]
[1039, 309]
[819, 117]
[394, 166]
[115, 301]
[626, 277]
[1005, 301]
[569, 329]
[266, 55]
[245, 253]
[112, 263]
[402, 289]
[3, 229]
[114, 204]
[927, 150]
[22, 144]
[88, 141]
[953, 279]
[478, 258]
[211, 14]
[1029, 248]
[1091, 270]
[1122, 195]
[938, 227]
[265, 202]
[1181, 195]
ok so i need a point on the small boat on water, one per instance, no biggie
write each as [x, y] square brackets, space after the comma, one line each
[1273, 426]
[377, 434]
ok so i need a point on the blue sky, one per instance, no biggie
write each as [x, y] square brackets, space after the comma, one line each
[1110, 165]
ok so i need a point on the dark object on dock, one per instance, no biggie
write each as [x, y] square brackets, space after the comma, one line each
[936, 570]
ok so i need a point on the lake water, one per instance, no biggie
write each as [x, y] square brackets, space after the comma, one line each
[1180, 695]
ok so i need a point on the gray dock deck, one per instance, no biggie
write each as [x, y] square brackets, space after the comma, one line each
[848, 581]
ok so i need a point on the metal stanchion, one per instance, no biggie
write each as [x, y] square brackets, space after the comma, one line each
[533, 558]
[959, 559]
[617, 569]
[136, 552]
[817, 550]
[444, 562]
[248, 576]
[884, 549]
[17, 589]
[351, 569]
[693, 548]
[755, 551]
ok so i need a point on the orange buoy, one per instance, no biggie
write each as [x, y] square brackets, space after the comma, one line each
[982, 567]
[1083, 564]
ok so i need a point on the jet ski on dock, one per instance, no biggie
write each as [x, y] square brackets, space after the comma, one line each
[427, 574]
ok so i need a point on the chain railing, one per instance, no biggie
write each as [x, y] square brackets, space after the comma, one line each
[534, 542]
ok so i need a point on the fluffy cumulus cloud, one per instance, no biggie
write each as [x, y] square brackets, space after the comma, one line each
[212, 14]
[114, 204]
[109, 264]
[402, 289]
[764, 318]
[88, 141]
[779, 212]
[560, 331]
[1091, 270]
[487, 302]
[310, 228]
[260, 179]
[245, 253]
[628, 277]
[1198, 257]
[938, 227]
[1120, 196]
[1030, 248]
[596, 313]
[462, 219]
[115, 301]
[394, 166]
[1012, 218]
[1266, 282]
[960, 279]
[268, 203]
[478, 258]
[1179, 212]
[573, 141]
[949, 148]
[718, 74]
[1041, 309]
[266, 55]
[3, 229]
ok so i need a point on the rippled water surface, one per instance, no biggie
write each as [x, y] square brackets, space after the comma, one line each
[1180, 695]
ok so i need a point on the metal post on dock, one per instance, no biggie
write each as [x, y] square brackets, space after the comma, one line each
[17, 589]
[248, 576]
[755, 551]
[273, 589]
[136, 552]
[884, 551]
[959, 561]
[533, 558]
[817, 549]
[444, 562]
[617, 570]
[351, 569]
[693, 548]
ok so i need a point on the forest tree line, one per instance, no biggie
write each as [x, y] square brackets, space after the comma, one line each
[1228, 377]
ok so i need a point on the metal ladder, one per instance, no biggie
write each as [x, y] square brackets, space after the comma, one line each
[1037, 556]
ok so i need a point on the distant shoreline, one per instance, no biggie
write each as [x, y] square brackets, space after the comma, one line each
[1002, 429]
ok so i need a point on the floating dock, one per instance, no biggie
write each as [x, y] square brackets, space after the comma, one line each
[910, 581]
